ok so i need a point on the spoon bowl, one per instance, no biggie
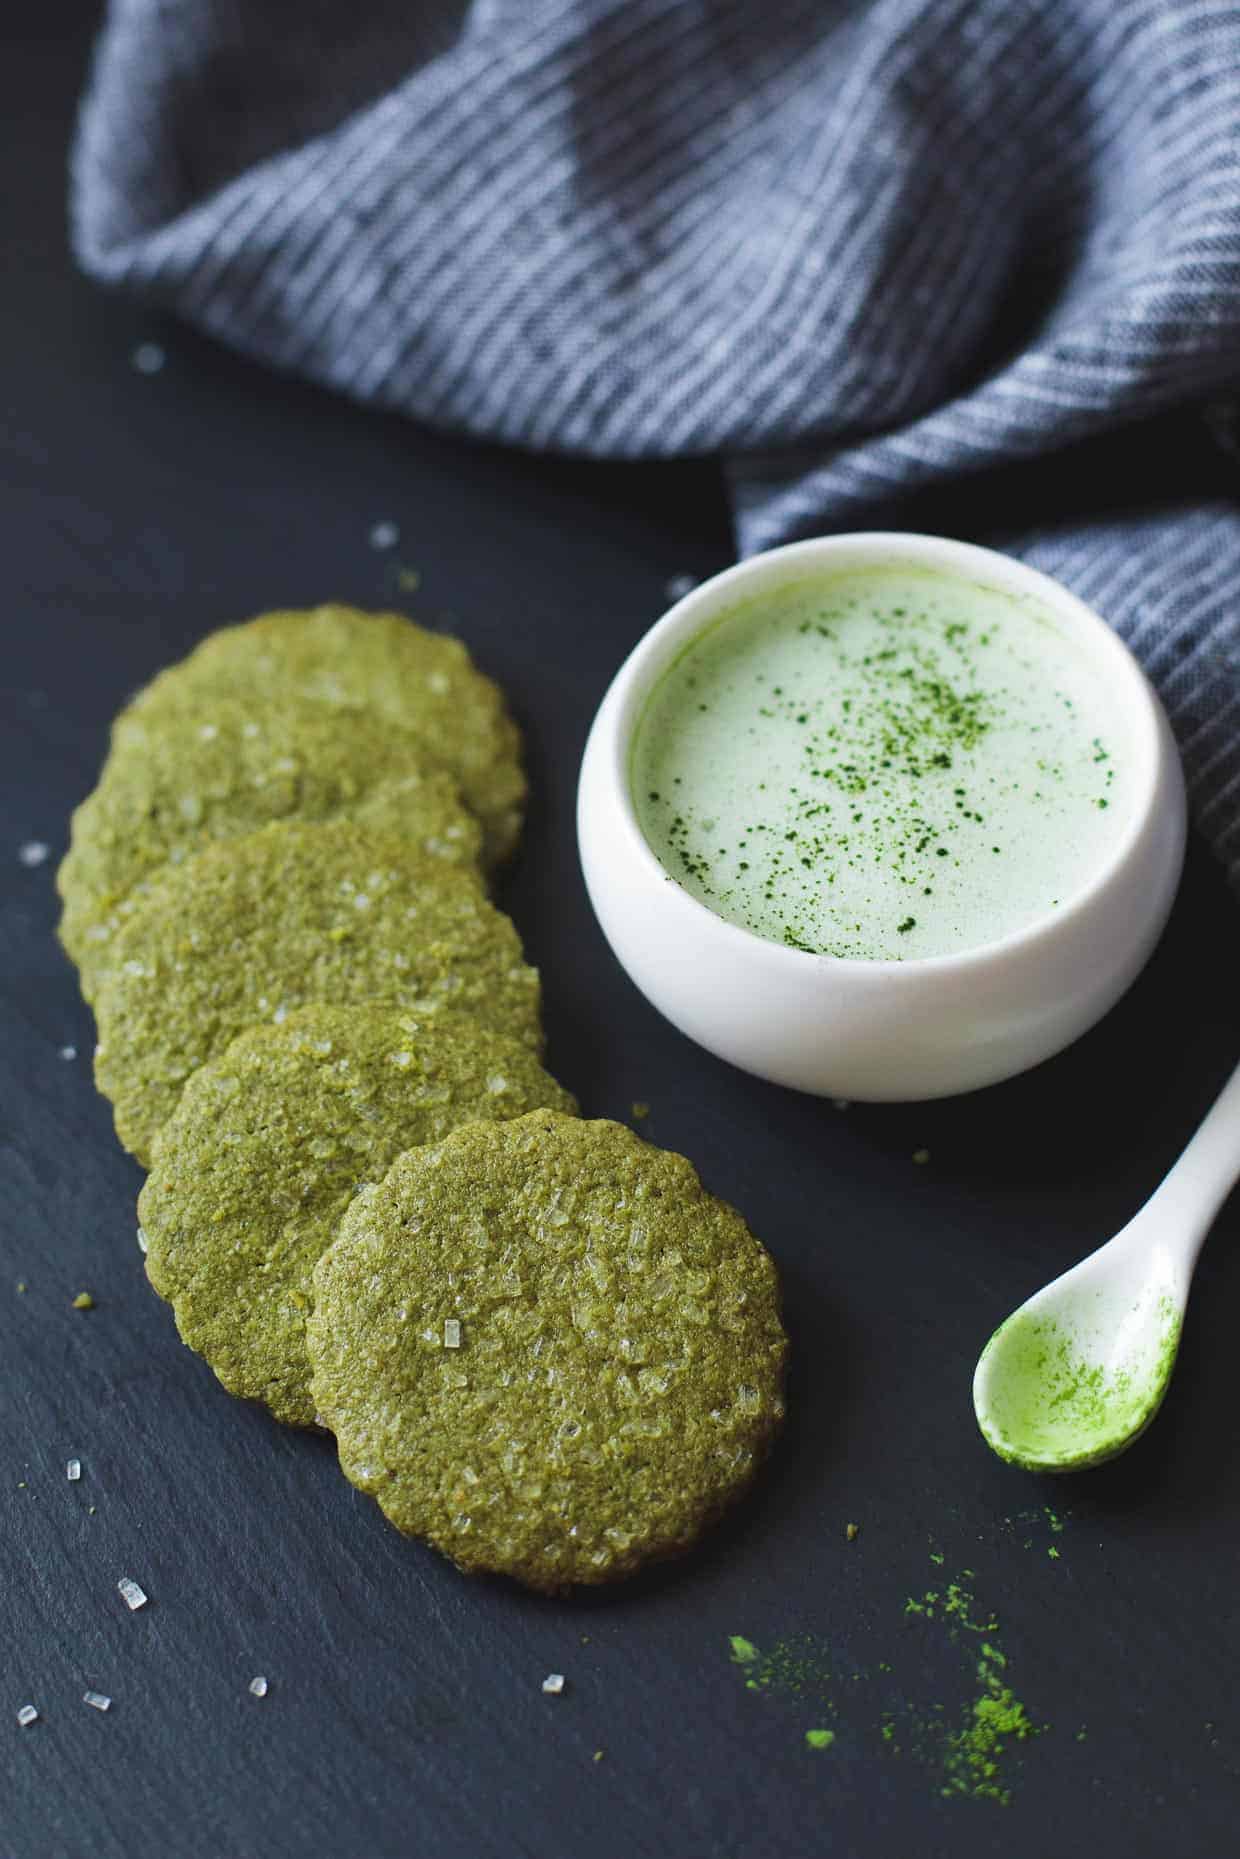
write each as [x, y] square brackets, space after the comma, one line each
[1077, 1373]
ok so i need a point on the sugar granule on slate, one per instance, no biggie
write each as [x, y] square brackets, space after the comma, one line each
[26, 1715]
[97, 1700]
[553, 1684]
[68, 1052]
[258, 1686]
[34, 852]
[132, 1595]
[73, 1470]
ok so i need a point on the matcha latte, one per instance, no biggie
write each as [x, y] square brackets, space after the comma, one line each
[884, 763]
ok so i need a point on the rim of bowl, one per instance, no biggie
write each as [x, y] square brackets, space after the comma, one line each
[675, 628]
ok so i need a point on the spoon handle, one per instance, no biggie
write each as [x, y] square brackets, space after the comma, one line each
[1190, 1196]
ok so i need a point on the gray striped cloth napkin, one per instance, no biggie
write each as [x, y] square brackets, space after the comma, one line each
[974, 257]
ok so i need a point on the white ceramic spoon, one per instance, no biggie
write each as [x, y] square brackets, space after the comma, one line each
[1078, 1372]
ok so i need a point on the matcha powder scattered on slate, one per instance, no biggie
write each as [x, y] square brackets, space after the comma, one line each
[968, 1747]
[995, 1718]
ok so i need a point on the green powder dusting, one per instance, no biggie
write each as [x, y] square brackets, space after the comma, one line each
[1032, 1528]
[1052, 1408]
[967, 1746]
[996, 1717]
[954, 1603]
[799, 1667]
[887, 763]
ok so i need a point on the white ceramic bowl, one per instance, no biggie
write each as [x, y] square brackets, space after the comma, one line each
[880, 1030]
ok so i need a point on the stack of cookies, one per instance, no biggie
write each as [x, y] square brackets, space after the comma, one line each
[538, 1341]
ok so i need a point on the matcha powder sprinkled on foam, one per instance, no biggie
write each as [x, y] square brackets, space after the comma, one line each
[883, 765]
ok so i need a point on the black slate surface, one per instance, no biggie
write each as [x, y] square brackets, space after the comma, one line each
[404, 1714]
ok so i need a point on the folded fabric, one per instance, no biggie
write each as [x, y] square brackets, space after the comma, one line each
[856, 250]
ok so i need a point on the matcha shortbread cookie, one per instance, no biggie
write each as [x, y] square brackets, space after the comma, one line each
[376, 662]
[268, 1145]
[251, 929]
[183, 775]
[542, 1345]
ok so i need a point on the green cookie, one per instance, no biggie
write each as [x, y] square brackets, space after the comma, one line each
[544, 1346]
[178, 777]
[377, 662]
[269, 1144]
[251, 929]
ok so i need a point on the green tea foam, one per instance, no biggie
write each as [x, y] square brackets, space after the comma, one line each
[885, 764]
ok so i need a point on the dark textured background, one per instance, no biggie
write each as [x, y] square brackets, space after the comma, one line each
[405, 1715]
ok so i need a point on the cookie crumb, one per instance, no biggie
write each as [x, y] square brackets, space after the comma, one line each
[83, 1301]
